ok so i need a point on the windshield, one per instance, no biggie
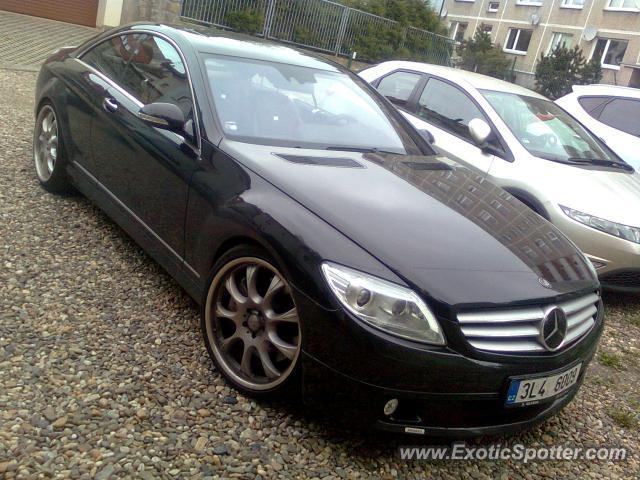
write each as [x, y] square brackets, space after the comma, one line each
[278, 104]
[546, 130]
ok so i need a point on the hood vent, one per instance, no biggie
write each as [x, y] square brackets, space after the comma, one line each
[322, 161]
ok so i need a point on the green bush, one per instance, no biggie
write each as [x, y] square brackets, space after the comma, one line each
[415, 13]
[562, 68]
[479, 55]
[376, 43]
[248, 20]
[372, 39]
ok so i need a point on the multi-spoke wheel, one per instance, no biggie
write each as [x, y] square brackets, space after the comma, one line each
[47, 151]
[250, 322]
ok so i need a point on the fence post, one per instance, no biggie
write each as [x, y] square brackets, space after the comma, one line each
[342, 30]
[405, 31]
[268, 18]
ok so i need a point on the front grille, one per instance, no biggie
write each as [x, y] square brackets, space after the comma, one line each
[518, 330]
[622, 278]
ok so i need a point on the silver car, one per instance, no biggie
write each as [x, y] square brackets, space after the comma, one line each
[610, 112]
[532, 148]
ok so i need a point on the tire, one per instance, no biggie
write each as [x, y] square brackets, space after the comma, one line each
[48, 151]
[250, 325]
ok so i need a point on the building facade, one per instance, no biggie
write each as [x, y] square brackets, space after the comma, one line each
[606, 30]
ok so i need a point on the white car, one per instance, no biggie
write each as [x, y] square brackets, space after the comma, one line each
[610, 112]
[535, 150]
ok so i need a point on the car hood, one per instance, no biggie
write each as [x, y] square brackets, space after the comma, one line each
[442, 228]
[606, 193]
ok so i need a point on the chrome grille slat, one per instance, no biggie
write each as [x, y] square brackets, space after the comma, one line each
[580, 317]
[517, 330]
[519, 315]
[505, 331]
[578, 304]
[513, 346]
[579, 330]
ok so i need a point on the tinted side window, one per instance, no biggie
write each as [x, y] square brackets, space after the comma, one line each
[156, 74]
[398, 86]
[110, 57]
[623, 114]
[448, 107]
[593, 105]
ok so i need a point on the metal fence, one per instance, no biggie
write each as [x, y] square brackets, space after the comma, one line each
[324, 26]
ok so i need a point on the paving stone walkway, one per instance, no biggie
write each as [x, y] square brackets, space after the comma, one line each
[25, 42]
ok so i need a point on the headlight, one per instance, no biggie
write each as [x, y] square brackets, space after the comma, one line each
[384, 305]
[616, 229]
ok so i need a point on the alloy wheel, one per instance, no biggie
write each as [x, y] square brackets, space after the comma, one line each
[45, 145]
[252, 324]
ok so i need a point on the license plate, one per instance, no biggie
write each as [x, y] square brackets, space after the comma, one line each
[529, 391]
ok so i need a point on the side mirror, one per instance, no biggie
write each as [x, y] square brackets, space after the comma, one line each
[480, 131]
[163, 115]
[427, 135]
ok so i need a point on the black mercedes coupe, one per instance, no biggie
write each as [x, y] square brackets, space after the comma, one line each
[333, 254]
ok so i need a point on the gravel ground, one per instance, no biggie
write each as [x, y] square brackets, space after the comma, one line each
[103, 373]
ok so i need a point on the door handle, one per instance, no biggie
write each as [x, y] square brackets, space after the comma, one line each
[110, 105]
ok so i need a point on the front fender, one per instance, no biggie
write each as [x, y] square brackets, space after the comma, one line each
[229, 204]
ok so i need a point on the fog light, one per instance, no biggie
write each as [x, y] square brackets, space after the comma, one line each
[390, 406]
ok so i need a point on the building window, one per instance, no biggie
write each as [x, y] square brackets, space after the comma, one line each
[534, 3]
[573, 3]
[457, 30]
[623, 5]
[493, 7]
[518, 41]
[610, 52]
[564, 39]
[486, 28]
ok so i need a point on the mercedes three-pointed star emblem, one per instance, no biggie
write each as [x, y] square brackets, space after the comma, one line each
[553, 328]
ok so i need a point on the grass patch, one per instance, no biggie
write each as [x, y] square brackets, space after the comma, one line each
[624, 419]
[611, 360]
[598, 381]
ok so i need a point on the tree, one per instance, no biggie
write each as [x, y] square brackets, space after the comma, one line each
[479, 55]
[562, 68]
[377, 42]
[414, 13]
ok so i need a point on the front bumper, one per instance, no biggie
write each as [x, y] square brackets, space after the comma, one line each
[455, 416]
[619, 259]
[355, 370]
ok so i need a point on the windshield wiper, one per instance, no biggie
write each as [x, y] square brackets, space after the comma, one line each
[362, 150]
[600, 162]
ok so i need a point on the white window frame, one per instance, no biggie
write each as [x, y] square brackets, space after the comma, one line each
[606, 50]
[455, 31]
[515, 52]
[530, 3]
[489, 9]
[622, 9]
[553, 35]
[571, 4]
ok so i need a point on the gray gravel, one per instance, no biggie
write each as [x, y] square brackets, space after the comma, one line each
[104, 375]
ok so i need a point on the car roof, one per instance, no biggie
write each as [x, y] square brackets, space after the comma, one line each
[608, 90]
[466, 78]
[221, 42]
